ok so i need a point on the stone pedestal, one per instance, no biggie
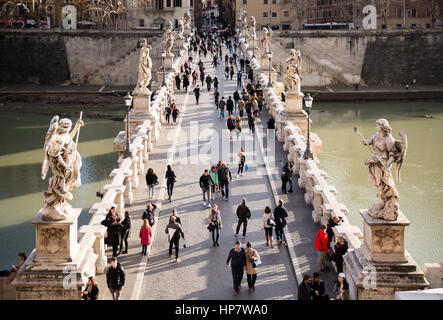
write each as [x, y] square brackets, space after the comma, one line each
[382, 266]
[295, 112]
[139, 113]
[58, 266]
[179, 44]
[169, 61]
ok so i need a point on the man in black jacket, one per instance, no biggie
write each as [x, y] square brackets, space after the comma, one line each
[149, 213]
[243, 214]
[280, 215]
[114, 235]
[197, 93]
[238, 265]
[174, 230]
[236, 99]
[224, 177]
[205, 183]
[230, 106]
[305, 289]
[115, 278]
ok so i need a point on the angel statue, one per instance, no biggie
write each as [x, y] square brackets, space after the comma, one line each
[266, 40]
[144, 70]
[385, 151]
[293, 71]
[181, 28]
[188, 19]
[61, 155]
[251, 26]
[169, 42]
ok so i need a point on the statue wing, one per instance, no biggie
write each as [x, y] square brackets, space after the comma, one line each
[403, 144]
[52, 129]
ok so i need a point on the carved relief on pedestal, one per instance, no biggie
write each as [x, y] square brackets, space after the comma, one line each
[387, 240]
[53, 240]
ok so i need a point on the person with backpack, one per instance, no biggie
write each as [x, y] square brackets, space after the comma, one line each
[243, 214]
[151, 181]
[126, 223]
[115, 278]
[145, 235]
[208, 82]
[170, 180]
[241, 162]
[280, 215]
[215, 224]
[174, 231]
[268, 224]
[149, 213]
[205, 184]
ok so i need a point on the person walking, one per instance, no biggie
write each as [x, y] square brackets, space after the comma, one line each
[225, 177]
[126, 223]
[114, 235]
[243, 214]
[238, 126]
[174, 231]
[186, 82]
[115, 278]
[221, 106]
[280, 215]
[151, 181]
[268, 224]
[215, 224]
[145, 235]
[208, 82]
[214, 184]
[202, 76]
[149, 213]
[341, 288]
[197, 93]
[242, 65]
[237, 257]
[230, 105]
[227, 72]
[255, 108]
[216, 97]
[236, 99]
[194, 80]
[91, 290]
[305, 289]
[239, 82]
[175, 113]
[177, 81]
[241, 107]
[230, 123]
[170, 180]
[205, 184]
[287, 173]
[231, 71]
[318, 288]
[251, 123]
[241, 161]
[260, 102]
[167, 113]
[321, 245]
[252, 263]
[177, 218]
[216, 82]
[271, 129]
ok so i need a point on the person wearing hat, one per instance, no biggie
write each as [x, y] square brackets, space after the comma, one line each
[318, 288]
[341, 288]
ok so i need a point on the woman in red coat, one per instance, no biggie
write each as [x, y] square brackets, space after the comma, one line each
[145, 236]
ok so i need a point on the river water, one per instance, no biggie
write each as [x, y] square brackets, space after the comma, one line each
[22, 136]
[421, 189]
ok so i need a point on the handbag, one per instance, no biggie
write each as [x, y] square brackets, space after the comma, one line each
[255, 263]
[246, 167]
[211, 227]
[271, 222]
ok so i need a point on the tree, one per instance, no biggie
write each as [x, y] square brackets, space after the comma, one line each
[37, 10]
[109, 10]
[384, 7]
[299, 8]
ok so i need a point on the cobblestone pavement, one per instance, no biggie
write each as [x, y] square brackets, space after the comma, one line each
[202, 272]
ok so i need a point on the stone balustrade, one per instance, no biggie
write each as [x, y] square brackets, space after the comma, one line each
[125, 178]
[318, 192]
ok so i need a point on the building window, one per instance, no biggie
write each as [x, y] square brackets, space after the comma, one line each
[274, 1]
[428, 25]
[265, 14]
[245, 1]
[274, 14]
[285, 13]
[191, 3]
[177, 3]
[168, 3]
[414, 13]
[141, 23]
[265, 1]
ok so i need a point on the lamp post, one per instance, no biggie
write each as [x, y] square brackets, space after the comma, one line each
[163, 63]
[128, 102]
[308, 153]
[270, 68]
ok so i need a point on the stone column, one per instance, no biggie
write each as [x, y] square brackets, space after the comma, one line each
[134, 176]
[140, 112]
[382, 265]
[295, 112]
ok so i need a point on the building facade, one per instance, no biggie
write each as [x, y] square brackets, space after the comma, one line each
[227, 9]
[282, 14]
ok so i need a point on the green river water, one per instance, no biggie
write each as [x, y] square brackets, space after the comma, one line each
[421, 191]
